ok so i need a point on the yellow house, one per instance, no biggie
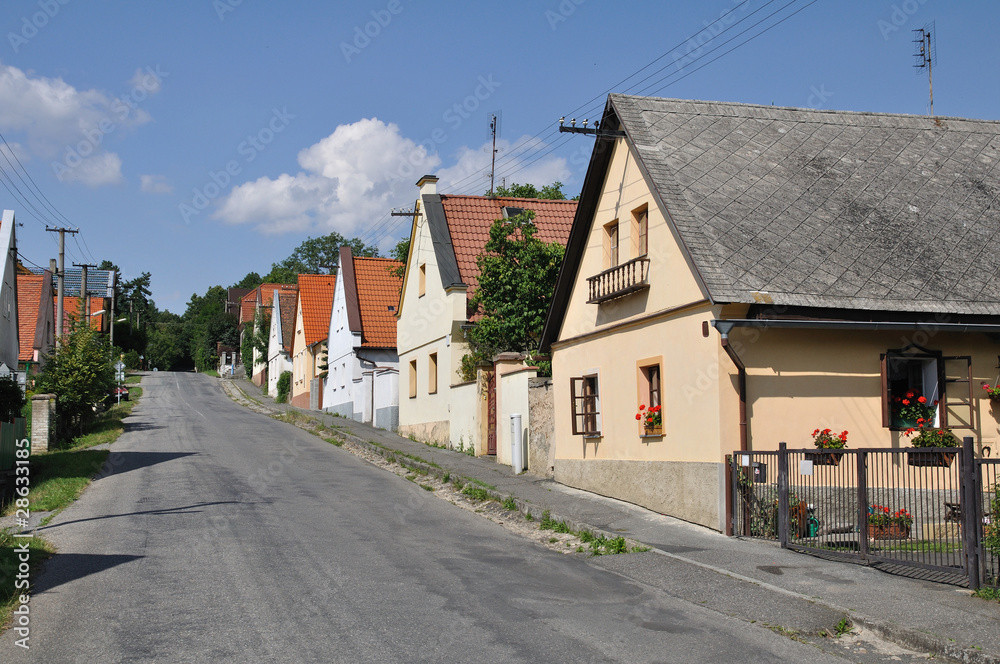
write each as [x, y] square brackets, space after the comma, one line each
[312, 320]
[758, 273]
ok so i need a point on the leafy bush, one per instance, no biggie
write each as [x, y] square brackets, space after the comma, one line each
[79, 373]
[284, 386]
[12, 400]
[131, 360]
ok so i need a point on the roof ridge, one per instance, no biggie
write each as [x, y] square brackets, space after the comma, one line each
[814, 111]
[508, 198]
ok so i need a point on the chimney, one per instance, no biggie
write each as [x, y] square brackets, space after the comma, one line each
[428, 184]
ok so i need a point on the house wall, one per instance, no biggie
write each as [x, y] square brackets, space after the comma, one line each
[277, 360]
[512, 397]
[466, 416]
[801, 380]
[386, 406]
[680, 473]
[8, 293]
[425, 325]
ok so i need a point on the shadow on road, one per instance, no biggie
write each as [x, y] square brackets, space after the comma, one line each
[65, 567]
[123, 462]
[165, 511]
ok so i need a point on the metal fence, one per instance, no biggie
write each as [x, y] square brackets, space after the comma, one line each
[908, 511]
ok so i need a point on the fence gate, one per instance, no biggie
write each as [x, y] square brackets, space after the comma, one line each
[919, 512]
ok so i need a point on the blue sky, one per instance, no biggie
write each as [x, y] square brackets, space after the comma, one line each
[203, 139]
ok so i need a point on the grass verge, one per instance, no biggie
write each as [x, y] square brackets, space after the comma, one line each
[40, 551]
[58, 477]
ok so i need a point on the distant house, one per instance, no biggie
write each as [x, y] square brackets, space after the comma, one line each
[9, 348]
[282, 330]
[448, 234]
[761, 272]
[363, 380]
[256, 301]
[100, 319]
[312, 321]
[36, 320]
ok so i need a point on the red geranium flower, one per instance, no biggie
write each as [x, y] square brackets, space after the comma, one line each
[922, 399]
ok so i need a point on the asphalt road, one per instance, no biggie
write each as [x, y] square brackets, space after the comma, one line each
[221, 535]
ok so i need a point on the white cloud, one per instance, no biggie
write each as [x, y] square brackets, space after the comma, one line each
[350, 179]
[155, 184]
[71, 127]
[99, 170]
[355, 175]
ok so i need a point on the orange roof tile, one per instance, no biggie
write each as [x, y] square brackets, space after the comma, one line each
[316, 295]
[29, 298]
[248, 304]
[378, 297]
[267, 292]
[470, 217]
[71, 311]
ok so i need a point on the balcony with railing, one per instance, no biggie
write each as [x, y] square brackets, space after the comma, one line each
[619, 281]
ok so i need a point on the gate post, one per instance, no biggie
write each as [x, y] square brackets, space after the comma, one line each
[862, 526]
[783, 494]
[971, 521]
[730, 478]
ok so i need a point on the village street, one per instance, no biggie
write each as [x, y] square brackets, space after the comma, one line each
[223, 535]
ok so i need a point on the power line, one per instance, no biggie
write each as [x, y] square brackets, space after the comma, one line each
[42, 198]
[522, 147]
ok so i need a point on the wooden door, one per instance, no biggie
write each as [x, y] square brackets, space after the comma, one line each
[491, 413]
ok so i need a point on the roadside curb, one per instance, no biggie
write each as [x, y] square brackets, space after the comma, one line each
[902, 636]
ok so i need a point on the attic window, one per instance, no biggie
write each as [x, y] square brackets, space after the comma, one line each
[392, 308]
[509, 212]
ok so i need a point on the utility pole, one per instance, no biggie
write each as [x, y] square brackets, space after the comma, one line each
[84, 293]
[114, 290]
[61, 274]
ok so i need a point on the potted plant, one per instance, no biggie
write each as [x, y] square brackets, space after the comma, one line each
[993, 392]
[931, 438]
[885, 524]
[913, 410]
[652, 420]
[825, 439]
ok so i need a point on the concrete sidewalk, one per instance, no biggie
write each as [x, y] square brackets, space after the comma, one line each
[939, 619]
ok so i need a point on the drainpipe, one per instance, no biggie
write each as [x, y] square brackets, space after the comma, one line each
[724, 328]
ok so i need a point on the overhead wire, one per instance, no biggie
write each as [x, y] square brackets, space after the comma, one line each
[519, 166]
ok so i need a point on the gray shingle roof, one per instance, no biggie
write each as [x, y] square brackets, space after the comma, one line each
[828, 208]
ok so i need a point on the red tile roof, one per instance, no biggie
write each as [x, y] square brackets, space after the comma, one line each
[248, 305]
[71, 310]
[267, 292]
[29, 298]
[286, 309]
[470, 217]
[316, 295]
[378, 297]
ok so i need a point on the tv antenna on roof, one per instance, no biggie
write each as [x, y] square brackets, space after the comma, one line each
[494, 129]
[925, 53]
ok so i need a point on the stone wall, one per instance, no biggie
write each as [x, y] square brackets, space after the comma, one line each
[541, 436]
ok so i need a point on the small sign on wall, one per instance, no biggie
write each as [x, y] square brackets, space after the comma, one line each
[805, 467]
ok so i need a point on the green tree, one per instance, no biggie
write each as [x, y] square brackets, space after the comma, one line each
[79, 373]
[252, 280]
[400, 253]
[517, 275]
[314, 254]
[12, 400]
[207, 324]
[549, 192]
